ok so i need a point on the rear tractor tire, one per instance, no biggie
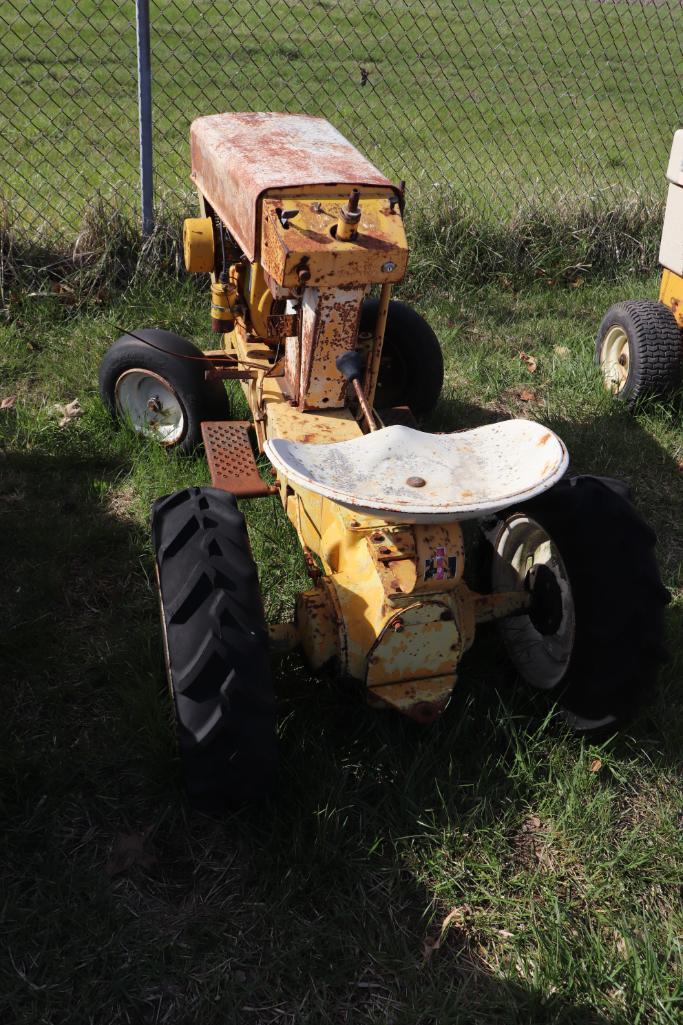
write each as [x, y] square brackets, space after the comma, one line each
[594, 635]
[216, 649]
[411, 367]
[156, 381]
[639, 350]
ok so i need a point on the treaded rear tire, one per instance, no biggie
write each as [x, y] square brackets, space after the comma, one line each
[655, 343]
[619, 599]
[216, 647]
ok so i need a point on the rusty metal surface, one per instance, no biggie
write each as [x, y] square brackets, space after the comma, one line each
[329, 327]
[417, 644]
[378, 252]
[231, 459]
[422, 700]
[488, 607]
[317, 626]
[236, 157]
[466, 475]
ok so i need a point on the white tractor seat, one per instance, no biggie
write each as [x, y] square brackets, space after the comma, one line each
[453, 476]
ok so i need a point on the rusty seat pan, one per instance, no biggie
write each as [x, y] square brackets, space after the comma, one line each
[464, 475]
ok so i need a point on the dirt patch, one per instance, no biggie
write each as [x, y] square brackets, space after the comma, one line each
[530, 846]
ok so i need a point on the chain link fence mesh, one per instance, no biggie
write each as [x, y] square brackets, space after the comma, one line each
[500, 103]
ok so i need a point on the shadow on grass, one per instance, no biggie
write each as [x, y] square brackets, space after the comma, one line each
[314, 909]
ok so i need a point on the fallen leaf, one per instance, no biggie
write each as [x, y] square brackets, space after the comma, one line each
[129, 850]
[8, 402]
[456, 917]
[505, 934]
[525, 395]
[529, 362]
[561, 350]
[71, 411]
[595, 765]
[459, 915]
[576, 283]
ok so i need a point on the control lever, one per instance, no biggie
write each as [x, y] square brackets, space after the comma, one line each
[350, 365]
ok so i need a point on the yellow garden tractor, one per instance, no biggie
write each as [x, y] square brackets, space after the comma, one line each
[296, 230]
[639, 347]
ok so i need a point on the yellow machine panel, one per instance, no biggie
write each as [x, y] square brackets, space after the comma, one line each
[671, 294]
[299, 243]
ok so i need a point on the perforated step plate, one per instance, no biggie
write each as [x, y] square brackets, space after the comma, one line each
[231, 459]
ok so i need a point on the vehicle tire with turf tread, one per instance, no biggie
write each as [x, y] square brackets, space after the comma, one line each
[615, 597]
[411, 368]
[153, 365]
[216, 648]
[639, 349]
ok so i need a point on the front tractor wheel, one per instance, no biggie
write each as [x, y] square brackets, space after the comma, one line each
[593, 636]
[639, 350]
[216, 648]
[155, 380]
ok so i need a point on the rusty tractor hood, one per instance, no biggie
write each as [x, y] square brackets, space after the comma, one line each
[236, 158]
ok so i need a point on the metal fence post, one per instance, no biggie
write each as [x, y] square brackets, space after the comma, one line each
[145, 114]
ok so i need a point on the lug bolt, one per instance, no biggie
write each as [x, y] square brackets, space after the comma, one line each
[154, 404]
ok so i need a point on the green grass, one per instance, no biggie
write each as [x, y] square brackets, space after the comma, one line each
[505, 104]
[561, 861]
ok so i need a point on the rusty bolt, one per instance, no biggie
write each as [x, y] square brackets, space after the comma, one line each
[416, 482]
[154, 404]
[446, 614]
[398, 626]
[350, 213]
[377, 537]
[384, 550]
[304, 275]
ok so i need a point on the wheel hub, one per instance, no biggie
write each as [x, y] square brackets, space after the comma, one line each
[545, 611]
[540, 643]
[151, 405]
[615, 359]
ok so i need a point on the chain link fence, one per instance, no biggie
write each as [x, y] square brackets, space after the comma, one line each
[500, 103]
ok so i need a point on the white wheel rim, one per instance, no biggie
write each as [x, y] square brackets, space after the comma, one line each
[541, 659]
[151, 406]
[615, 359]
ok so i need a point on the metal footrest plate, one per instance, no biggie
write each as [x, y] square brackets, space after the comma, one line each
[231, 459]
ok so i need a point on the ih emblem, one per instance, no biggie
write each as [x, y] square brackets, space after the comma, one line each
[440, 567]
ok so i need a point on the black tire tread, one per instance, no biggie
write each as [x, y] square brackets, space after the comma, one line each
[656, 344]
[217, 645]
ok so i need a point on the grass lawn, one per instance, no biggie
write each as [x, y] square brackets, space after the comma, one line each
[490, 870]
[506, 103]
